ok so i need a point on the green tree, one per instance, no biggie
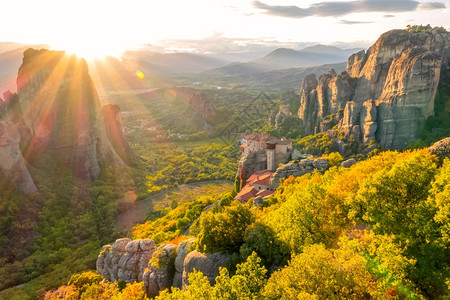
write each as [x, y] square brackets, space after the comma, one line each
[224, 231]
[83, 280]
[318, 273]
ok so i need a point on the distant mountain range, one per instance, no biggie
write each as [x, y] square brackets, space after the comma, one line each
[159, 69]
[283, 58]
[170, 63]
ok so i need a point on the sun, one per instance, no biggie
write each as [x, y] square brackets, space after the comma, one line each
[89, 50]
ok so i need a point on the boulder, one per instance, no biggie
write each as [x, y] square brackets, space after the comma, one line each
[208, 264]
[161, 269]
[182, 252]
[348, 163]
[321, 164]
[441, 149]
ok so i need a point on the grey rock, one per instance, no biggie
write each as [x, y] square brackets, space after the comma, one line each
[160, 277]
[348, 163]
[125, 260]
[182, 252]
[207, 264]
[321, 164]
[301, 168]
[441, 149]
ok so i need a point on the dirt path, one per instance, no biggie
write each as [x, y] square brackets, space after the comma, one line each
[139, 209]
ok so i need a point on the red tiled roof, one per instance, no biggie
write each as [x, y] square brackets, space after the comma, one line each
[260, 177]
[246, 193]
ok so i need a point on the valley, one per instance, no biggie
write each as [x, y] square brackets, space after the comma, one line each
[124, 178]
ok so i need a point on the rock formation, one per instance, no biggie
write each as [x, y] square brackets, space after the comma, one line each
[207, 264]
[159, 276]
[296, 169]
[201, 104]
[61, 112]
[12, 162]
[348, 163]
[385, 94]
[282, 115]
[249, 163]
[125, 260]
[158, 267]
[115, 131]
[182, 251]
[56, 110]
[441, 149]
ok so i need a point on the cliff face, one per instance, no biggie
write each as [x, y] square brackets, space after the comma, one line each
[61, 112]
[115, 131]
[56, 110]
[385, 94]
[206, 110]
[12, 163]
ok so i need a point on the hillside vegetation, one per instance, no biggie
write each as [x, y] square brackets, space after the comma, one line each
[377, 230]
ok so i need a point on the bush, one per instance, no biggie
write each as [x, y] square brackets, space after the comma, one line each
[83, 280]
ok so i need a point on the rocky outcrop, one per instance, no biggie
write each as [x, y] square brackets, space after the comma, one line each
[158, 267]
[182, 251]
[160, 272]
[125, 260]
[348, 163]
[283, 113]
[386, 93]
[296, 169]
[12, 162]
[441, 149]
[207, 264]
[251, 162]
[61, 112]
[115, 131]
[326, 97]
[201, 104]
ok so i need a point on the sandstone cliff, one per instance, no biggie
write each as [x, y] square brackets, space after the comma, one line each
[61, 112]
[56, 110]
[385, 94]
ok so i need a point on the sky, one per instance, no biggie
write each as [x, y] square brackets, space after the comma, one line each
[99, 27]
